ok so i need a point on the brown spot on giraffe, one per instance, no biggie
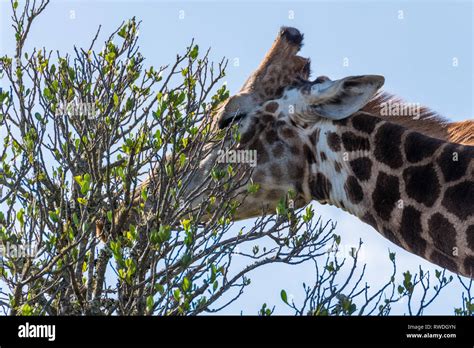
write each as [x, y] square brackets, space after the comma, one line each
[422, 184]
[417, 147]
[369, 219]
[309, 155]
[387, 145]
[320, 187]
[442, 232]
[271, 136]
[353, 190]
[391, 236]
[364, 122]
[470, 237]
[271, 107]
[295, 150]
[288, 133]
[444, 261]
[248, 135]
[362, 168]
[454, 161]
[262, 154]
[314, 137]
[295, 171]
[469, 266]
[458, 199]
[385, 195]
[334, 141]
[267, 118]
[410, 230]
[353, 142]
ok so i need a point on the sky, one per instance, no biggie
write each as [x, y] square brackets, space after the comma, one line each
[424, 49]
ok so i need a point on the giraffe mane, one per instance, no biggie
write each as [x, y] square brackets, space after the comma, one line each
[428, 122]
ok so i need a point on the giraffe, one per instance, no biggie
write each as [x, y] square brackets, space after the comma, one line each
[416, 190]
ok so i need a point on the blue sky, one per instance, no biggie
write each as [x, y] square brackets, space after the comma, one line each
[415, 53]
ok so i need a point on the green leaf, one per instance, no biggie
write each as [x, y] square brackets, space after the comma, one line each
[110, 57]
[186, 284]
[123, 32]
[186, 223]
[47, 93]
[284, 297]
[122, 273]
[177, 295]
[109, 216]
[53, 216]
[15, 4]
[78, 179]
[20, 216]
[215, 286]
[130, 103]
[330, 267]
[253, 188]
[38, 117]
[160, 288]
[116, 100]
[26, 309]
[150, 303]
[181, 98]
[194, 52]
[55, 85]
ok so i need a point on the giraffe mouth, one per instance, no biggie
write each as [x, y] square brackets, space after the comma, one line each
[224, 123]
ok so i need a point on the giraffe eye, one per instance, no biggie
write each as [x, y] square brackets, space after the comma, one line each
[226, 121]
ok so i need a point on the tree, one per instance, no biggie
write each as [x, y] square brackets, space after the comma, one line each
[82, 132]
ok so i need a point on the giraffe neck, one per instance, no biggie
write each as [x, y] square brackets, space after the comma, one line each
[415, 190]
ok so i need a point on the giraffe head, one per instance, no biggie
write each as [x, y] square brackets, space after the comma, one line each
[280, 68]
[282, 131]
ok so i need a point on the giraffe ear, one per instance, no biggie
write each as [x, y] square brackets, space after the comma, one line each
[339, 99]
